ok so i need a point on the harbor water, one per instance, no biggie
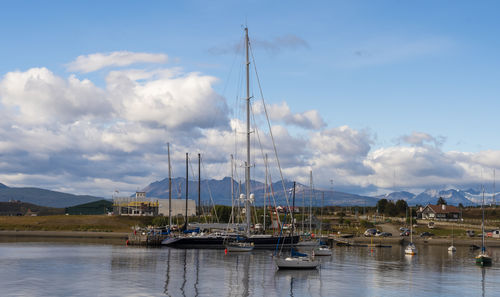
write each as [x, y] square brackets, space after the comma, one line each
[84, 269]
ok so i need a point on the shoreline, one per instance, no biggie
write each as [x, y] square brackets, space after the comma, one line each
[113, 238]
[444, 241]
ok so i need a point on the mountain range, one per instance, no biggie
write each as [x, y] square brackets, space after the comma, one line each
[219, 192]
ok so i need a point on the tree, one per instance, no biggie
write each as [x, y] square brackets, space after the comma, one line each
[441, 201]
[401, 206]
[381, 204]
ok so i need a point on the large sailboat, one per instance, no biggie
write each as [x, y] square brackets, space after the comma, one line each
[259, 241]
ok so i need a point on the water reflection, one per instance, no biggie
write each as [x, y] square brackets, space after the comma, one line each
[350, 271]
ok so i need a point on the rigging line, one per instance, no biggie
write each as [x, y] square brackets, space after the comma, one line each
[210, 192]
[269, 125]
[194, 178]
[274, 201]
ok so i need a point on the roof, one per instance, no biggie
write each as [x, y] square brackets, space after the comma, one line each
[439, 208]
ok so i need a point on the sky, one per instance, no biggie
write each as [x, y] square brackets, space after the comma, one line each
[371, 96]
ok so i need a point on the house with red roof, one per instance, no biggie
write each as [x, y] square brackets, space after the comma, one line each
[440, 212]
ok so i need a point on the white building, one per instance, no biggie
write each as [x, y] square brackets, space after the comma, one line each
[178, 207]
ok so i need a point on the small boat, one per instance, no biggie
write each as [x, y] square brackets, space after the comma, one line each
[452, 248]
[296, 260]
[322, 250]
[411, 249]
[297, 263]
[483, 258]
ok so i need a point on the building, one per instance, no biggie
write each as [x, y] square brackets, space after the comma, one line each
[178, 207]
[441, 212]
[135, 206]
[140, 205]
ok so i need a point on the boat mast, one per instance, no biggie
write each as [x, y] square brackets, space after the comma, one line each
[232, 192]
[483, 248]
[187, 181]
[247, 163]
[310, 201]
[265, 196]
[169, 189]
[199, 187]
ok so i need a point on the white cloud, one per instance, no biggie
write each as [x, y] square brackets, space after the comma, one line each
[420, 138]
[69, 134]
[310, 119]
[93, 62]
[37, 96]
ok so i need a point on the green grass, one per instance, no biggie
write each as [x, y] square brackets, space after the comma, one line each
[96, 223]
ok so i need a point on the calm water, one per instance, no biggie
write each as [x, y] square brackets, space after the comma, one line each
[63, 269]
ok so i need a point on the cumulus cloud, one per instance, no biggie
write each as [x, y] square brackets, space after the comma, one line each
[68, 134]
[420, 138]
[310, 119]
[93, 62]
[38, 96]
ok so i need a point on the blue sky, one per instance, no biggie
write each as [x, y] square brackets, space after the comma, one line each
[416, 80]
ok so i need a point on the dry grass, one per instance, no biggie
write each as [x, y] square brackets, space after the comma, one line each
[100, 223]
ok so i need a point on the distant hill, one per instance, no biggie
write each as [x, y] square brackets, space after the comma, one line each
[91, 208]
[219, 191]
[43, 197]
[17, 208]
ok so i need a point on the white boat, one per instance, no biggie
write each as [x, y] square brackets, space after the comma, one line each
[297, 263]
[322, 250]
[296, 260]
[411, 249]
[483, 258]
[452, 248]
[236, 246]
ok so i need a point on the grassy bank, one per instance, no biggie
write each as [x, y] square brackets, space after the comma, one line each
[96, 223]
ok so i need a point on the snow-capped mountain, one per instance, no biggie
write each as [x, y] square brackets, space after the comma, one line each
[451, 196]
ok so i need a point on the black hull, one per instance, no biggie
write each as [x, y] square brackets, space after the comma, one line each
[202, 242]
[271, 242]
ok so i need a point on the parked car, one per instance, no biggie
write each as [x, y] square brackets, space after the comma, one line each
[383, 234]
[470, 233]
[403, 229]
[405, 233]
[426, 234]
[370, 232]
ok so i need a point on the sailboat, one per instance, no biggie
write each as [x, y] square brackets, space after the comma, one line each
[452, 248]
[296, 260]
[237, 244]
[483, 258]
[322, 249]
[411, 249]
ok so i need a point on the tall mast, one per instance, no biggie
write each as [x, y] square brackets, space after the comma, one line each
[310, 201]
[187, 182]
[265, 196]
[483, 248]
[232, 191]
[169, 189]
[247, 163]
[199, 187]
